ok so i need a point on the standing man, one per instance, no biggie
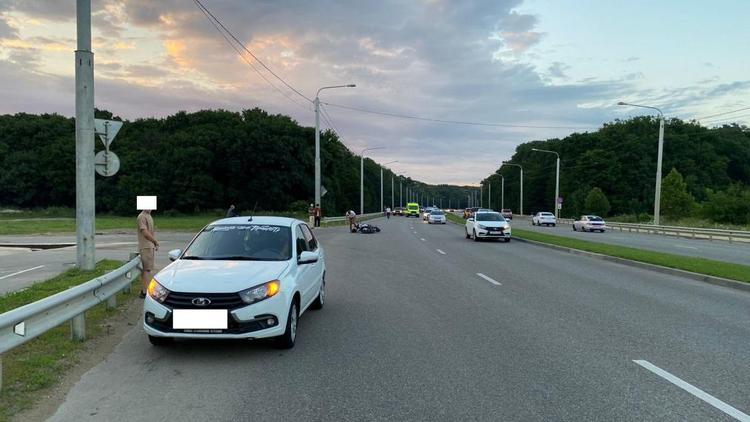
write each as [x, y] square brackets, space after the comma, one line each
[311, 215]
[352, 217]
[318, 213]
[147, 245]
[232, 212]
[388, 212]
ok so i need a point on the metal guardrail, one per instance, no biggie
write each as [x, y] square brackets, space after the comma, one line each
[23, 324]
[359, 217]
[678, 231]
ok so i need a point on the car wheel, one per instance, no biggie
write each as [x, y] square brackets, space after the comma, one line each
[320, 300]
[286, 340]
[476, 239]
[468, 236]
[160, 341]
[507, 240]
[574, 228]
[554, 225]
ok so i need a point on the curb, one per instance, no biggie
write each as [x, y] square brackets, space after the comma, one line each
[37, 245]
[716, 281]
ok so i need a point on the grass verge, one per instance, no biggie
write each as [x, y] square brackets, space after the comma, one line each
[687, 263]
[40, 363]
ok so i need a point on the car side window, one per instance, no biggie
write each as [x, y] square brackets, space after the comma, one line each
[312, 242]
[300, 241]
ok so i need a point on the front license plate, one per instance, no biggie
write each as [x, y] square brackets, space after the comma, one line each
[186, 319]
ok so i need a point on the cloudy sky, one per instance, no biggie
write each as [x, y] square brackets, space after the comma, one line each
[544, 68]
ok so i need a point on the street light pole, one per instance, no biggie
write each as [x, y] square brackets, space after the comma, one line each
[557, 180]
[85, 189]
[505, 163]
[502, 192]
[316, 102]
[489, 194]
[362, 179]
[381, 182]
[657, 194]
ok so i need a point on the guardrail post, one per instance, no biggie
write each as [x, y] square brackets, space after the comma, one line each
[112, 301]
[1, 372]
[78, 327]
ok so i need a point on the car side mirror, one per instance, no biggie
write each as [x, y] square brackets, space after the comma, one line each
[470, 219]
[174, 254]
[308, 257]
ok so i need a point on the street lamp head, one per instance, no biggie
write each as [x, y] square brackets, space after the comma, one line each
[621, 103]
[535, 149]
[351, 86]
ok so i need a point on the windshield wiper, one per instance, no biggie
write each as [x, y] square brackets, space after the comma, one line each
[236, 258]
[193, 257]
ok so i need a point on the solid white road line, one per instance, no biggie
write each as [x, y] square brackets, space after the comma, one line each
[686, 247]
[20, 272]
[441, 252]
[422, 239]
[697, 392]
[489, 279]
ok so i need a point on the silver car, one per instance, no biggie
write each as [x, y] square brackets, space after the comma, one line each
[589, 223]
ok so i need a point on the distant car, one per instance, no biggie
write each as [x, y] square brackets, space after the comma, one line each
[507, 213]
[238, 278]
[589, 223]
[544, 219]
[436, 217]
[398, 211]
[412, 210]
[426, 213]
[487, 225]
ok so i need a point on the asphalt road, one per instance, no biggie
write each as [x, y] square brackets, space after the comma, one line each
[22, 267]
[720, 250]
[410, 331]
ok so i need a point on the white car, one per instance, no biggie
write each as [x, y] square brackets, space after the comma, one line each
[589, 223]
[436, 217]
[426, 213]
[487, 225]
[544, 218]
[239, 278]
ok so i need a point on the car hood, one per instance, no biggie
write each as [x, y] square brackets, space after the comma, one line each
[218, 276]
[493, 223]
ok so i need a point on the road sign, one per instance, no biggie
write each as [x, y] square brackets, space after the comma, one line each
[323, 191]
[559, 205]
[106, 163]
[107, 130]
[559, 200]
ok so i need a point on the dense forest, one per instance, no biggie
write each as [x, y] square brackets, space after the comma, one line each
[194, 162]
[706, 172]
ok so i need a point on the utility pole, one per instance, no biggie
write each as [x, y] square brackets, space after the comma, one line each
[393, 195]
[316, 102]
[400, 193]
[502, 193]
[85, 202]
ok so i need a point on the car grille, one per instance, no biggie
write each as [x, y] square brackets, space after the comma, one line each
[230, 301]
[233, 326]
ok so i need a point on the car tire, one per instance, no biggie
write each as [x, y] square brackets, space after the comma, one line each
[574, 228]
[554, 225]
[468, 236]
[160, 341]
[286, 340]
[320, 300]
[507, 240]
[476, 238]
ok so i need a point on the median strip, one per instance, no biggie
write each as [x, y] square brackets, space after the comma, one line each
[715, 272]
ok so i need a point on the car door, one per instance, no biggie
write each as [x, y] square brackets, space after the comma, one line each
[305, 274]
[315, 269]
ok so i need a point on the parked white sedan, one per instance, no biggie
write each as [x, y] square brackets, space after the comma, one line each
[589, 223]
[239, 277]
[544, 218]
[487, 225]
[436, 217]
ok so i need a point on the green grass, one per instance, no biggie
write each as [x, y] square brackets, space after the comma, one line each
[694, 264]
[188, 223]
[41, 363]
[455, 218]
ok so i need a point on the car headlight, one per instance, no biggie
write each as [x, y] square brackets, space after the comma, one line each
[261, 292]
[506, 227]
[157, 291]
[482, 227]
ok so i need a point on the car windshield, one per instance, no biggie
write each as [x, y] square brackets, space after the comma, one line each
[436, 212]
[547, 214]
[489, 216]
[595, 218]
[250, 242]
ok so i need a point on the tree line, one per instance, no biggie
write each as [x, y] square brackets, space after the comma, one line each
[195, 162]
[612, 172]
